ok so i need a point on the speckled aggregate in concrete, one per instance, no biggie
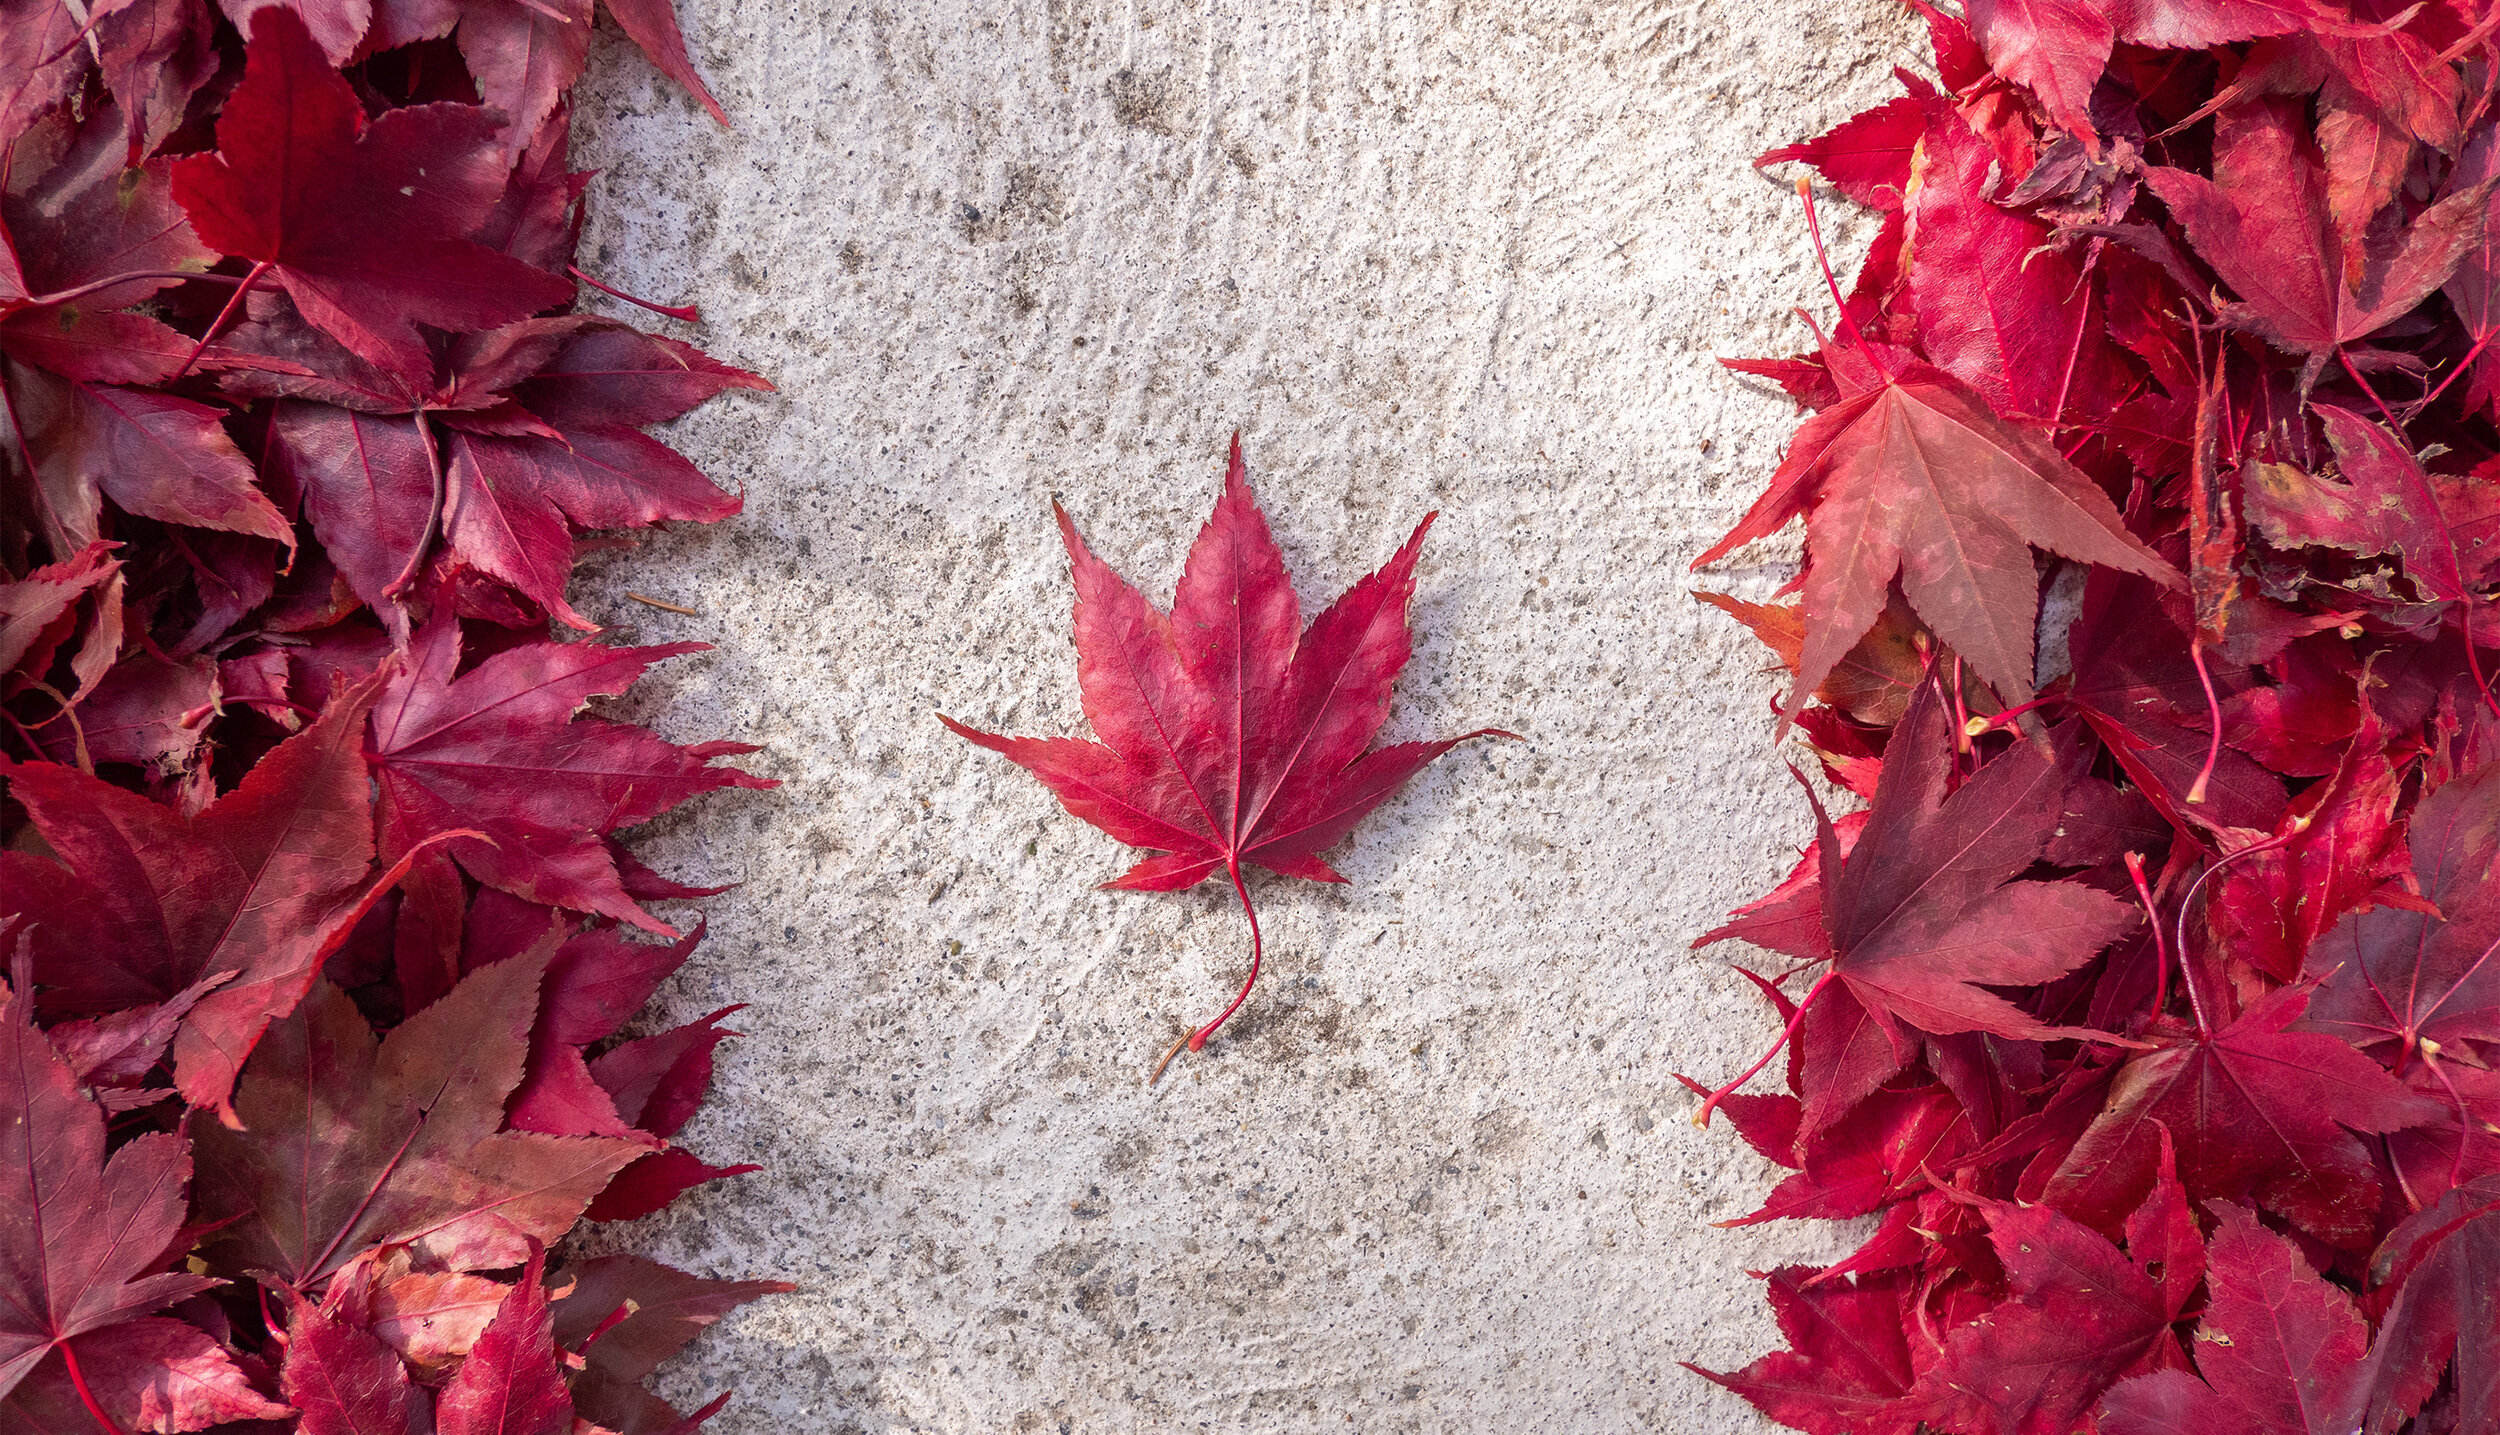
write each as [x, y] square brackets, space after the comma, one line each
[1469, 256]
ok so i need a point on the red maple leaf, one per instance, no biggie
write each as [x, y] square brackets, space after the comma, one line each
[348, 1145]
[2082, 1314]
[2279, 1350]
[1910, 474]
[86, 1240]
[521, 437]
[365, 225]
[2260, 1111]
[497, 750]
[248, 896]
[1231, 733]
[2263, 223]
[1924, 911]
[641, 1313]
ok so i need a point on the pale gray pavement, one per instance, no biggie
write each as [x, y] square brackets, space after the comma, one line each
[1469, 256]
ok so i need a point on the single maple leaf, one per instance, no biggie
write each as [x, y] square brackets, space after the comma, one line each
[641, 1313]
[84, 1237]
[156, 456]
[1912, 475]
[1230, 733]
[347, 1145]
[2279, 1350]
[2082, 1314]
[2263, 223]
[1848, 1364]
[150, 1374]
[2260, 1111]
[2433, 1280]
[259, 886]
[364, 225]
[2422, 979]
[497, 750]
[511, 1383]
[1924, 910]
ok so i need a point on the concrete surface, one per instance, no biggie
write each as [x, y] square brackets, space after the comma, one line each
[1468, 256]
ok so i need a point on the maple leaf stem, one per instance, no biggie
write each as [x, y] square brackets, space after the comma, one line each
[1796, 1019]
[2462, 364]
[2152, 918]
[2178, 934]
[64, 296]
[2213, 709]
[686, 313]
[2074, 351]
[234, 301]
[78, 1380]
[1198, 1038]
[433, 512]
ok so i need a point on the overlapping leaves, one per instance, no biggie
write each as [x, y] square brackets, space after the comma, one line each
[314, 1038]
[2224, 1161]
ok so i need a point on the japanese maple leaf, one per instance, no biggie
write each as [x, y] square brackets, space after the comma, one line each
[2083, 1313]
[497, 750]
[2059, 47]
[152, 1373]
[346, 1144]
[1231, 734]
[2279, 1350]
[261, 885]
[2260, 1111]
[531, 435]
[2433, 1279]
[1924, 911]
[2407, 976]
[83, 1239]
[1998, 306]
[1848, 1362]
[2263, 223]
[364, 225]
[640, 1089]
[661, 1310]
[1911, 474]
[76, 219]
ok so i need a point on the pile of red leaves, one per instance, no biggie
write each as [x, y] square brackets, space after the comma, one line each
[311, 1046]
[2151, 1003]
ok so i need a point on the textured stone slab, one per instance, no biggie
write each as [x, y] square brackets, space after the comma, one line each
[1469, 256]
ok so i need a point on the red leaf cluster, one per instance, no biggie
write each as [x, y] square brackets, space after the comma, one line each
[316, 1039]
[1231, 734]
[2151, 1005]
